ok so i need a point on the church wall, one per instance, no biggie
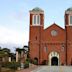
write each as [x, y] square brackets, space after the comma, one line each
[69, 45]
[52, 47]
[42, 41]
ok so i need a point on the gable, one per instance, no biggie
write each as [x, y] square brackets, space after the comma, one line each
[54, 25]
[54, 33]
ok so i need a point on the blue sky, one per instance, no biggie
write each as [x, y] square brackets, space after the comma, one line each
[14, 17]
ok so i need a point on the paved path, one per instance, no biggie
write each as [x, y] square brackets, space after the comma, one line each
[53, 69]
[32, 67]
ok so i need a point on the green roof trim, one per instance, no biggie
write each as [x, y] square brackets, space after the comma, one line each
[69, 9]
[37, 9]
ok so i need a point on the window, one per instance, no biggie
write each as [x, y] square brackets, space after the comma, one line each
[45, 49]
[70, 19]
[54, 33]
[62, 49]
[36, 20]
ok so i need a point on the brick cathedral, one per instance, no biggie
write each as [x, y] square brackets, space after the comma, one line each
[52, 45]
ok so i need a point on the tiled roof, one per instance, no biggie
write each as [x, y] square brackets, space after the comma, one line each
[37, 9]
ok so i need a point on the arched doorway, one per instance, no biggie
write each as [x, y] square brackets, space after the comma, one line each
[54, 61]
[36, 61]
[53, 58]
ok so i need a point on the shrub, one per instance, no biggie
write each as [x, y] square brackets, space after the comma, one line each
[35, 62]
[26, 65]
[28, 59]
[11, 65]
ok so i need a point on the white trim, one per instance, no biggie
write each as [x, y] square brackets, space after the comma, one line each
[17, 55]
[9, 59]
[39, 12]
[53, 54]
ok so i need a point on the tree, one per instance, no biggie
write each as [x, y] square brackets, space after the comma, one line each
[6, 50]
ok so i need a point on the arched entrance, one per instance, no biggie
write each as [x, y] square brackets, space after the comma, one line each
[54, 61]
[53, 58]
[36, 61]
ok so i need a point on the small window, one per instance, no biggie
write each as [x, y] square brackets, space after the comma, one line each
[36, 37]
[45, 49]
[62, 49]
[70, 19]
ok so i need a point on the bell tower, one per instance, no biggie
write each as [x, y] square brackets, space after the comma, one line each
[36, 28]
[36, 17]
[68, 29]
[68, 17]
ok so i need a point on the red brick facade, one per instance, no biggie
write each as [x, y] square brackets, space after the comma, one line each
[52, 43]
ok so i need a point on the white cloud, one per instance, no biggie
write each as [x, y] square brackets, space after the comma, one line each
[8, 35]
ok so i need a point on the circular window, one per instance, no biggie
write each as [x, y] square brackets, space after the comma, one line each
[54, 33]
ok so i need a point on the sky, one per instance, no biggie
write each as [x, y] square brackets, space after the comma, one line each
[14, 18]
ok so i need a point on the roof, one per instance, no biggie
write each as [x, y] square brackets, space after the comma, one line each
[69, 9]
[54, 24]
[36, 9]
[2, 53]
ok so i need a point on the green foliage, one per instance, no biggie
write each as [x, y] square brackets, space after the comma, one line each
[28, 59]
[26, 65]
[19, 50]
[3, 54]
[11, 65]
[6, 50]
[35, 62]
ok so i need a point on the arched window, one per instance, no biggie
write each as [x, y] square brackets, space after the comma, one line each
[36, 19]
[35, 61]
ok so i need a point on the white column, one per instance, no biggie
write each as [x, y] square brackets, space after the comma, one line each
[9, 59]
[16, 56]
